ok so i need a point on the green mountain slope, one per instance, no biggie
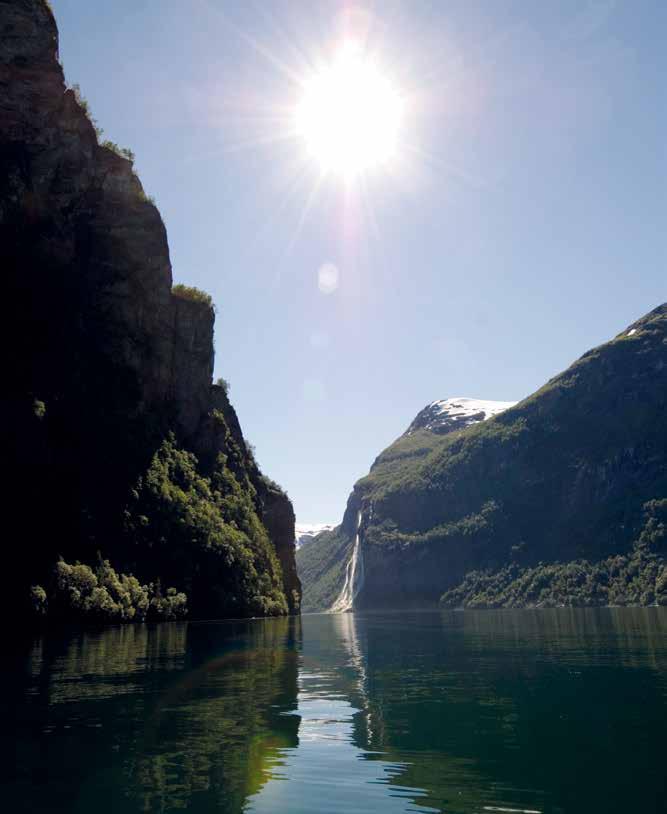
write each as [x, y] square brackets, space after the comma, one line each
[563, 475]
[321, 566]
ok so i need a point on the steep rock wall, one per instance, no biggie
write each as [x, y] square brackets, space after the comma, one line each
[104, 359]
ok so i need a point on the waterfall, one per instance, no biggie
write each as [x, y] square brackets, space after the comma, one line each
[354, 576]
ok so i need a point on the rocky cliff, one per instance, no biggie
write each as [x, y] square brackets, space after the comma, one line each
[562, 476]
[106, 361]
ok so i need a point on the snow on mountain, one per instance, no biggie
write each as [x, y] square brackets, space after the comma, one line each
[304, 532]
[456, 413]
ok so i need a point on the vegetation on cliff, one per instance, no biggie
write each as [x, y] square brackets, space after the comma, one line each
[206, 534]
[101, 595]
[202, 533]
[636, 578]
[193, 294]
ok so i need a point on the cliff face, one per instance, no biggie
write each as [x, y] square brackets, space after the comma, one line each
[105, 360]
[563, 475]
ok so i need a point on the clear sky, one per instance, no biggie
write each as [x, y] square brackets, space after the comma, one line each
[522, 221]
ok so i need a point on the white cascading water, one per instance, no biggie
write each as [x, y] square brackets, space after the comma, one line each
[354, 577]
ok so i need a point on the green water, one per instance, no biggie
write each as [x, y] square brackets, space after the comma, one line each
[544, 711]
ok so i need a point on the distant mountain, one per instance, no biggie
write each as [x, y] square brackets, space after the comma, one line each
[306, 532]
[575, 472]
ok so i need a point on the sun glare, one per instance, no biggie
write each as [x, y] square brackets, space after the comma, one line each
[350, 114]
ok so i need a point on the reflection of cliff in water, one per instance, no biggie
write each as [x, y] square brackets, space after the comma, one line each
[551, 711]
[632, 636]
[518, 709]
[331, 771]
[111, 661]
[172, 716]
[214, 734]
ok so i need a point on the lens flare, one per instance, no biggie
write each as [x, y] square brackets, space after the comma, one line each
[327, 278]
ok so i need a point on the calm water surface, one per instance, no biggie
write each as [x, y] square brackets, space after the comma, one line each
[509, 711]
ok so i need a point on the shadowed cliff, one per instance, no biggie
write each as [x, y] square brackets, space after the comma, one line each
[117, 443]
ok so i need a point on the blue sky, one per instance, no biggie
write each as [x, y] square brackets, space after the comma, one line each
[524, 223]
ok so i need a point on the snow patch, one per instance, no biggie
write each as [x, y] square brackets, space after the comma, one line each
[455, 413]
[470, 407]
[632, 332]
[304, 532]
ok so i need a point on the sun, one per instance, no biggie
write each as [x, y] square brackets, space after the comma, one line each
[350, 114]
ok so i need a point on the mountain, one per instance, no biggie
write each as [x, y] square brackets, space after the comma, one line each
[575, 472]
[306, 532]
[127, 469]
[324, 566]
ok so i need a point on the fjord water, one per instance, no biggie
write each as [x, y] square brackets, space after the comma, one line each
[540, 711]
